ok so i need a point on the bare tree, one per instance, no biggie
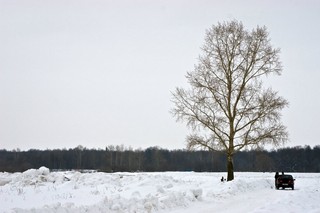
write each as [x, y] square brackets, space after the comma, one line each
[226, 103]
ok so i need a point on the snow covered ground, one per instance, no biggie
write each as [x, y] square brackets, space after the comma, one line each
[39, 190]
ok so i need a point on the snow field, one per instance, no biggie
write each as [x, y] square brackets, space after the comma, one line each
[39, 190]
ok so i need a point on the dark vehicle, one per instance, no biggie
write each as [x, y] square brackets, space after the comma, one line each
[285, 181]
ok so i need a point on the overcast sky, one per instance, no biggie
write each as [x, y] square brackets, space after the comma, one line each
[100, 72]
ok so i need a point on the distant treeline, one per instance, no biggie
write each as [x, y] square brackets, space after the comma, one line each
[120, 159]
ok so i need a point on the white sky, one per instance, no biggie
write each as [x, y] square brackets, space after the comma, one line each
[100, 72]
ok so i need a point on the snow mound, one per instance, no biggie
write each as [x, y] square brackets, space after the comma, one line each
[4, 181]
[43, 170]
[33, 173]
[35, 177]
[42, 191]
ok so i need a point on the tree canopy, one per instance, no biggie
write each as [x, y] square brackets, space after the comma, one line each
[226, 101]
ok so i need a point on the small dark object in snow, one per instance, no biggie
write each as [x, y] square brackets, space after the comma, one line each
[66, 178]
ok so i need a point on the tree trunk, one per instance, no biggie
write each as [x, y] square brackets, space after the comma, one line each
[230, 167]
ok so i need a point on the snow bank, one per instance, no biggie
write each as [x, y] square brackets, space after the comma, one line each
[39, 190]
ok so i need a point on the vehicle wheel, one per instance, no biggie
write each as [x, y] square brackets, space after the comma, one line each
[292, 187]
